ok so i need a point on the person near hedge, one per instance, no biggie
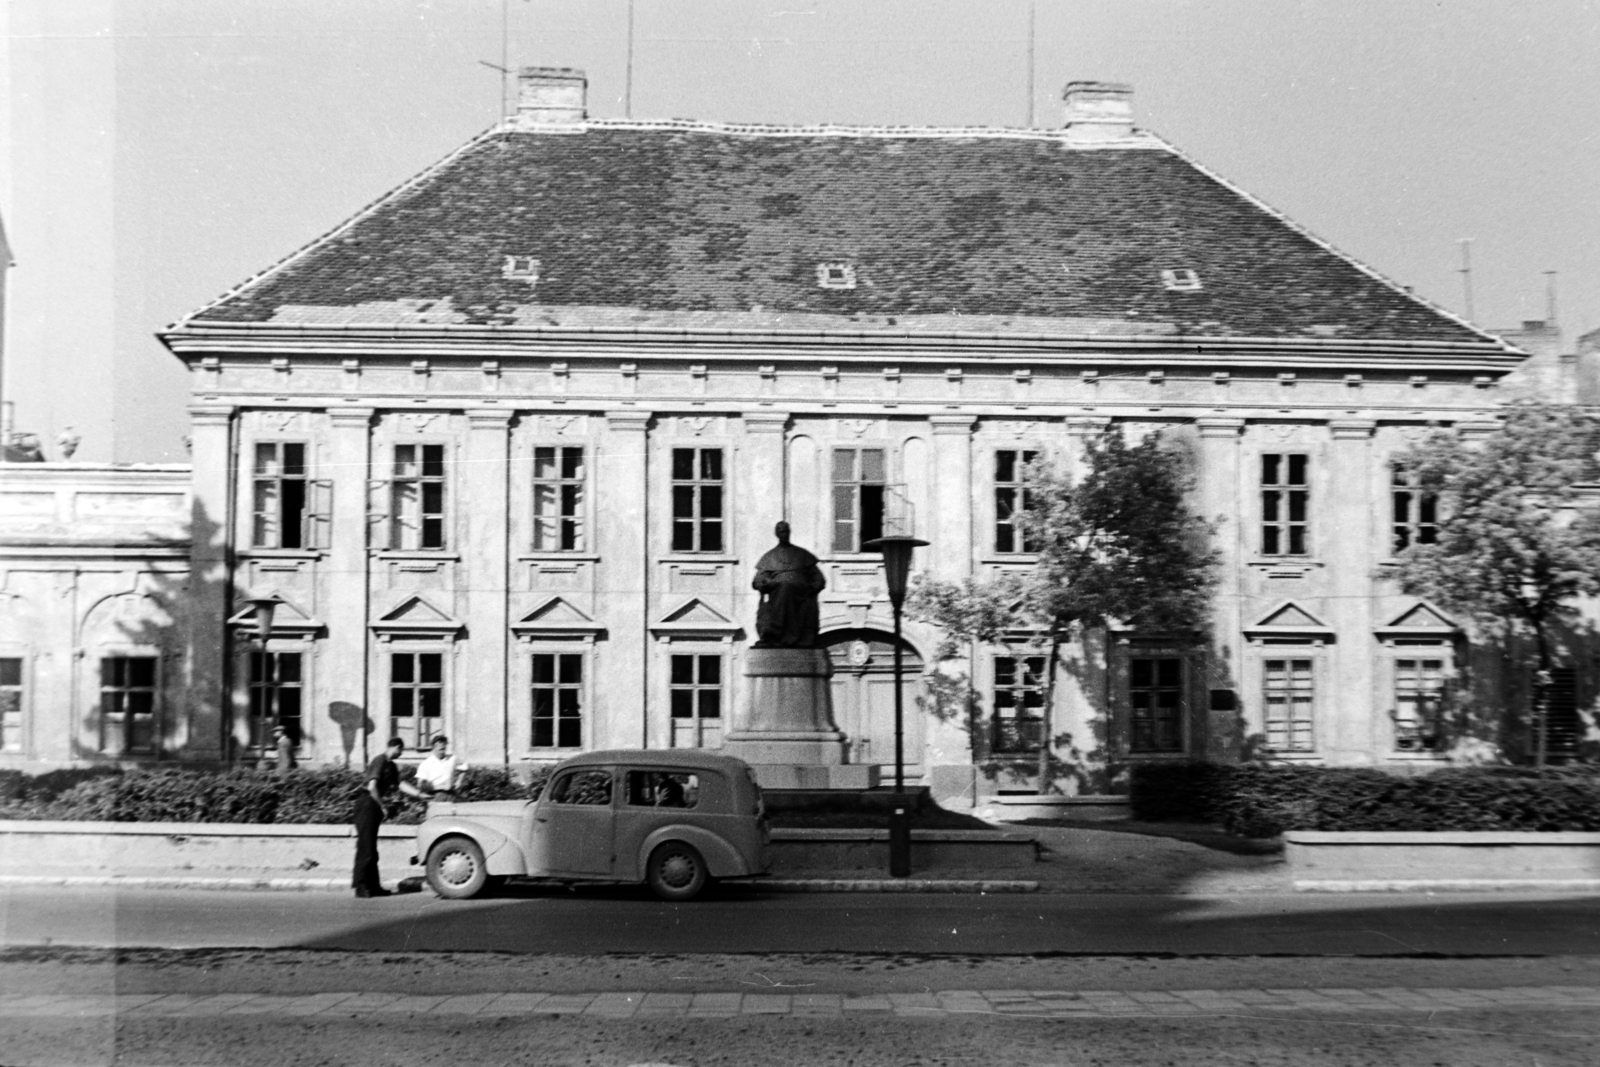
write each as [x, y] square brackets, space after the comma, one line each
[439, 773]
[382, 780]
[283, 751]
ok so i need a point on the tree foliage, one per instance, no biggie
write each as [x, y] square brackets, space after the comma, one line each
[1117, 544]
[1516, 545]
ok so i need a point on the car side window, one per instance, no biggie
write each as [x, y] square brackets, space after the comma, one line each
[662, 789]
[582, 787]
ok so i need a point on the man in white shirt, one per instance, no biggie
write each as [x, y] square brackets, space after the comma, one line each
[439, 773]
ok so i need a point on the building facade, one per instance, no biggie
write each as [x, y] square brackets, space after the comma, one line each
[507, 444]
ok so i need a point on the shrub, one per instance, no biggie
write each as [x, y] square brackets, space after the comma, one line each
[1255, 800]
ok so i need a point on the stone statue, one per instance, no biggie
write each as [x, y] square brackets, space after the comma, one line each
[788, 580]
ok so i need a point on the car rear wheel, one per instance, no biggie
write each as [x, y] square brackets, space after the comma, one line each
[676, 872]
[456, 868]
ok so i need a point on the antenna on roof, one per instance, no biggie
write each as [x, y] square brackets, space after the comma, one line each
[1032, 7]
[627, 92]
[1466, 275]
[1550, 296]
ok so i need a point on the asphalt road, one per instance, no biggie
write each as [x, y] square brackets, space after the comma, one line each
[627, 921]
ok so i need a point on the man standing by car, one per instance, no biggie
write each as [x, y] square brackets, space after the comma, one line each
[439, 773]
[382, 780]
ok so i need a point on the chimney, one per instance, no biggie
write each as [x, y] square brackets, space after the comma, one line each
[1098, 111]
[550, 96]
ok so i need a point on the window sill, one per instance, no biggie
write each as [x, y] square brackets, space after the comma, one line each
[1293, 757]
[433, 554]
[561, 557]
[1015, 557]
[282, 553]
[852, 557]
[697, 557]
[1285, 562]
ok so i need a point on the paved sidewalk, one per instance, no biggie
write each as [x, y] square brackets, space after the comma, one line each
[626, 1005]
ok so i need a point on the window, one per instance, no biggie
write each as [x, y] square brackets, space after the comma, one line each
[280, 513]
[10, 704]
[1284, 498]
[1418, 703]
[836, 276]
[696, 686]
[859, 477]
[583, 787]
[128, 705]
[1009, 498]
[416, 697]
[558, 478]
[1566, 729]
[1288, 690]
[557, 699]
[697, 500]
[417, 497]
[275, 692]
[1018, 704]
[662, 789]
[1415, 513]
[1181, 280]
[1155, 700]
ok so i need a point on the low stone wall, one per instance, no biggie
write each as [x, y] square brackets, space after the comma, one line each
[1013, 807]
[1396, 861]
[324, 849]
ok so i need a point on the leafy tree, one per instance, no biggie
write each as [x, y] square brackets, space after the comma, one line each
[1119, 543]
[1515, 547]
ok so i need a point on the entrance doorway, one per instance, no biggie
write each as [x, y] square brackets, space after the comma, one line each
[863, 698]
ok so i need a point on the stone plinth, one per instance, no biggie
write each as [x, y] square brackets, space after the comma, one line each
[784, 728]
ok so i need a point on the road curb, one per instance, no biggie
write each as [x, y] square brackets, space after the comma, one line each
[771, 885]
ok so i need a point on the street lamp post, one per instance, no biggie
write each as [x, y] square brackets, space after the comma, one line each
[896, 551]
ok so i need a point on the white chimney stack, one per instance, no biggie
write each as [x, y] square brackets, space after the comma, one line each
[551, 96]
[1098, 111]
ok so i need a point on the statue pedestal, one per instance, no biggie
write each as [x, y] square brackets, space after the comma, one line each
[785, 728]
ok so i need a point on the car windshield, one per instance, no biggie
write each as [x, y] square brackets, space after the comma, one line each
[663, 789]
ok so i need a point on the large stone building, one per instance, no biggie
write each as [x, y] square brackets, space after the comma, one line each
[508, 442]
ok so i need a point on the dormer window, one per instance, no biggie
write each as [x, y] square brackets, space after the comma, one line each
[1182, 280]
[836, 276]
[520, 269]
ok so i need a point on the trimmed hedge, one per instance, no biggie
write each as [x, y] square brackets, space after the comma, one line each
[1254, 800]
[315, 795]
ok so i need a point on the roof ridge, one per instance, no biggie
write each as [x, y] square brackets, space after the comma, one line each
[321, 239]
[1322, 243]
[1137, 139]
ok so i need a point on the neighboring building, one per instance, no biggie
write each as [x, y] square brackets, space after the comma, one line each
[508, 443]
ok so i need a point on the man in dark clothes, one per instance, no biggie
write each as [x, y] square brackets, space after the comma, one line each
[382, 780]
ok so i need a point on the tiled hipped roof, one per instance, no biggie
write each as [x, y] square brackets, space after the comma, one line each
[976, 229]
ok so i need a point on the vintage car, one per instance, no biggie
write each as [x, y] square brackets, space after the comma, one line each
[675, 819]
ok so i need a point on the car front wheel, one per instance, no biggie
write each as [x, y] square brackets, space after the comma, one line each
[676, 872]
[456, 868]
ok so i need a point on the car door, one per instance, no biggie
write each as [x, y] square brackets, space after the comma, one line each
[650, 799]
[573, 829]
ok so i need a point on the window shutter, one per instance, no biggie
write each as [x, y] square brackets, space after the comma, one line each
[319, 514]
[379, 492]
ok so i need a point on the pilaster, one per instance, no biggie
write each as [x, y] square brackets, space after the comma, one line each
[1346, 543]
[482, 727]
[210, 581]
[1220, 501]
[949, 529]
[339, 710]
[621, 479]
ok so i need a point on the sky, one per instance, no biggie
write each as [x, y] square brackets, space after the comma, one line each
[154, 153]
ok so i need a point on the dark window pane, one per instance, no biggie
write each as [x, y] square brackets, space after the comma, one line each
[432, 533]
[400, 703]
[1297, 506]
[1269, 469]
[1141, 672]
[432, 664]
[570, 734]
[10, 671]
[544, 668]
[141, 671]
[544, 463]
[1297, 540]
[682, 535]
[1005, 466]
[288, 666]
[711, 464]
[405, 459]
[711, 501]
[294, 460]
[1297, 470]
[433, 461]
[1168, 672]
[683, 464]
[711, 537]
[683, 501]
[1269, 541]
[571, 669]
[571, 500]
[1005, 670]
[572, 463]
[429, 703]
[1005, 539]
[401, 667]
[432, 497]
[682, 703]
[1269, 507]
[871, 513]
[710, 670]
[710, 704]
[682, 670]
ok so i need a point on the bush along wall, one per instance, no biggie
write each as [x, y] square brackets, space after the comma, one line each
[313, 795]
[1255, 800]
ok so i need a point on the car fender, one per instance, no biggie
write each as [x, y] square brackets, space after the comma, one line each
[501, 854]
[721, 857]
